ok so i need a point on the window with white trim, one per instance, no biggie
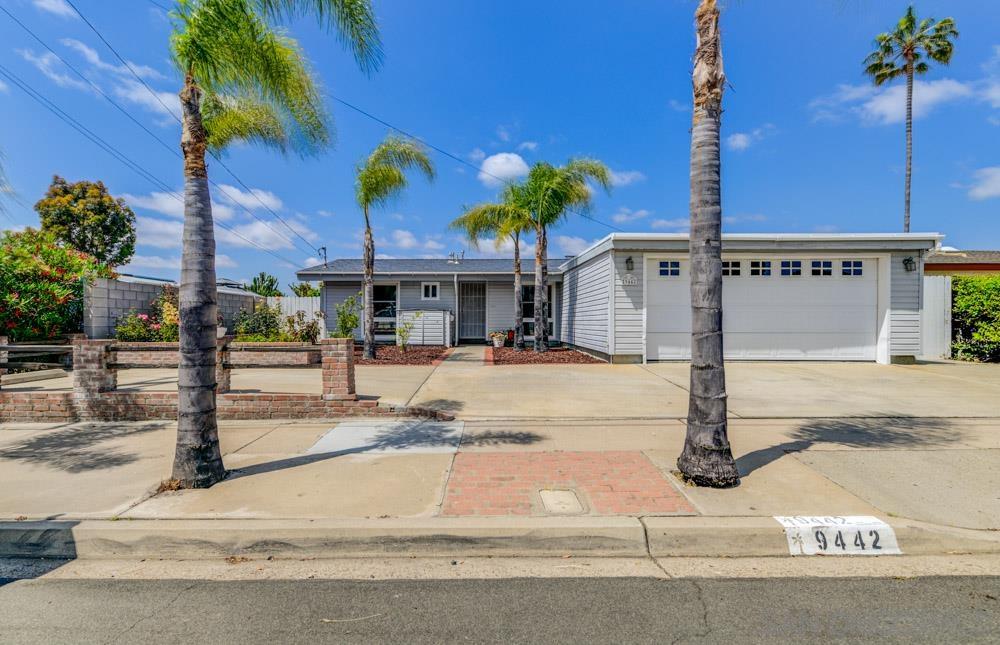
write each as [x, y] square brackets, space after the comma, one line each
[731, 267]
[851, 267]
[822, 267]
[760, 267]
[670, 268]
[791, 267]
[430, 290]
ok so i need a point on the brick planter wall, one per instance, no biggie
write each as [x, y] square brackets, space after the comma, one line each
[165, 354]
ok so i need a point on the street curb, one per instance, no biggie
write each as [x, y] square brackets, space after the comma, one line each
[444, 537]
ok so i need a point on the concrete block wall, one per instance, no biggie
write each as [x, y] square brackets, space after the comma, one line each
[106, 300]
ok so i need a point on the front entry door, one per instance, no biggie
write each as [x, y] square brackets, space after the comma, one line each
[472, 311]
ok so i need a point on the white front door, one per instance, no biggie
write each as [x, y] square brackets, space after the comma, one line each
[774, 307]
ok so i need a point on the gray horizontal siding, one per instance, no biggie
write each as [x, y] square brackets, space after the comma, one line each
[333, 294]
[499, 306]
[904, 307]
[628, 305]
[586, 300]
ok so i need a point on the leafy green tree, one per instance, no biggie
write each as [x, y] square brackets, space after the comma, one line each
[41, 285]
[347, 316]
[551, 192]
[83, 215]
[380, 178]
[707, 459]
[904, 52]
[304, 289]
[244, 80]
[507, 219]
[264, 284]
[976, 317]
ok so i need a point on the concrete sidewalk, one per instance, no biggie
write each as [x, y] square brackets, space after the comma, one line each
[515, 487]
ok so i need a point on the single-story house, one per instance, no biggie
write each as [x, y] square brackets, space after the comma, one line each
[626, 298]
[962, 263]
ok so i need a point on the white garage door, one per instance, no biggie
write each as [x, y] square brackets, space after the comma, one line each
[817, 308]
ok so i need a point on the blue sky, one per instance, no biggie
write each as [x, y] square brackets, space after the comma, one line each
[809, 145]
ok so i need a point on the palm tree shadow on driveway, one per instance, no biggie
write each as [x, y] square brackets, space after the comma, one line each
[886, 433]
[77, 448]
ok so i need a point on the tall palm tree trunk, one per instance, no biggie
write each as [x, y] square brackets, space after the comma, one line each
[545, 294]
[909, 144]
[197, 459]
[539, 288]
[369, 289]
[707, 459]
[518, 297]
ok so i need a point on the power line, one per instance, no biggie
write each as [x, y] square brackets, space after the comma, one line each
[114, 152]
[156, 96]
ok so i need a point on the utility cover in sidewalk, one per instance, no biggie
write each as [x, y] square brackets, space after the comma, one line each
[561, 502]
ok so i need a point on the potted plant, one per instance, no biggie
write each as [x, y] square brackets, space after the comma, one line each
[498, 338]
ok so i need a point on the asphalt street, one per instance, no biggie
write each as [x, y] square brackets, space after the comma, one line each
[947, 609]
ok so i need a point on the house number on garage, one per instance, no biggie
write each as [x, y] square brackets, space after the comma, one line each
[839, 535]
[630, 280]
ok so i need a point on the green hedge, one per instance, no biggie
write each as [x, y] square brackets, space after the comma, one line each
[975, 318]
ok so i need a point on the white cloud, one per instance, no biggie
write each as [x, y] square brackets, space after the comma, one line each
[887, 105]
[166, 104]
[91, 56]
[503, 133]
[324, 213]
[477, 154]
[252, 199]
[263, 234]
[53, 69]
[56, 7]
[625, 177]
[407, 241]
[740, 141]
[738, 219]
[160, 233]
[626, 215]
[3, 87]
[987, 183]
[678, 106]
[166, 204]
[488, 248]
[158, 262]
[502, 167]
[570, 245]
[530, 146]
[676, 223]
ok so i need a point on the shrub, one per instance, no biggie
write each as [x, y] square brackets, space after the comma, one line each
[348, 316]
[167, 314]
[137, 328]
[403, 331]
[263, 321]
[304, 289]
[975, 317]
[41, 285]
[301, 330]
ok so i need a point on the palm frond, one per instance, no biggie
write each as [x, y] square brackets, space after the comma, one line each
[907, 44]
[382, 176]
[229, 119]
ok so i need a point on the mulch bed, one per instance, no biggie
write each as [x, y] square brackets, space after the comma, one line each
[394, 355]
[555, 356]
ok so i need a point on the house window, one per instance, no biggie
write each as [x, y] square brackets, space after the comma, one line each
[670, 268]
[851, 267]
[429, 290]
[528, 311]
[384, 309]
[822, 267]
[760, 267]
[730, 267]
[791, 267]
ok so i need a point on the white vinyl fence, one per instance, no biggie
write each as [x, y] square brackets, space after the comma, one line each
[935, 318]
[292, 304]
[431, 327]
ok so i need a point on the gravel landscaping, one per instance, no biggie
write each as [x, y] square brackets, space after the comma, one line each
[555, 356]
[394, 355]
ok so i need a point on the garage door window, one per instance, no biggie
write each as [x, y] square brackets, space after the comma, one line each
[822, 267]
[791, 267]
[851, 267]
[670, 268]
[760, 267]
[730, 267]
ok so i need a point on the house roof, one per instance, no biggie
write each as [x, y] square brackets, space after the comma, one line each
[424, 266]
[963, 257]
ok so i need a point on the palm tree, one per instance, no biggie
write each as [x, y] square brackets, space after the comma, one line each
[507, 219]
[902, 52]
[707, 459]
[551, 192]
[380, 178]
[243, 81]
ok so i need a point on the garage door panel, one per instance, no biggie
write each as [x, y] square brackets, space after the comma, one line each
[770, 317]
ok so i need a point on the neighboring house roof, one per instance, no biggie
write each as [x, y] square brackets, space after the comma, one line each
[945, 261]
[419, 266]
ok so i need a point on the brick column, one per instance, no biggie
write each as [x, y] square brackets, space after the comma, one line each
[91, 374]
[3, 357]
[222, 372]
[338, 368]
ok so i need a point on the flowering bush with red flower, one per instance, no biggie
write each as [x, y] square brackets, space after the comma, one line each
[41, 285]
